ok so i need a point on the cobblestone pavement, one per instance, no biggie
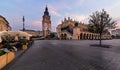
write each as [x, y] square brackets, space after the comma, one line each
[69, 55]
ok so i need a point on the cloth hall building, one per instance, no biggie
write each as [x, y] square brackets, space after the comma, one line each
[69, 29]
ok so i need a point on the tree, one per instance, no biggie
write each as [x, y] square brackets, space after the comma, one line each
[99, 21]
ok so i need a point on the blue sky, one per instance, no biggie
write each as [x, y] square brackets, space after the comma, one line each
[14, 10]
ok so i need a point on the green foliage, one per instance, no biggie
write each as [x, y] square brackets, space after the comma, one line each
[2, 52]
[99, 21]
[24, 42]
[52, 35]
[8, 46]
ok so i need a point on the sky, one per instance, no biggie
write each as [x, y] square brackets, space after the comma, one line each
[33, 10]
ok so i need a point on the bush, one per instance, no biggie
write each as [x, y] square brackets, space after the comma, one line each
[24, 42]
[18, 45]
[8, 46]
[2, 52]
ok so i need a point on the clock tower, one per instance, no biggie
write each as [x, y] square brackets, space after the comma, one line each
[46, 23]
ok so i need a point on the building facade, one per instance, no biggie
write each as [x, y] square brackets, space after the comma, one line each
[70, 29]
[4, 24]
[46, 23]
[115, 32]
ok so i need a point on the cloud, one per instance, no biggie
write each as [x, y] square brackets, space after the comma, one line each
[19, 0]
[37, 23]
[53, 11]
[112, 7]
[81, 2]
[114, 12]
[117, 21]
[78, 17]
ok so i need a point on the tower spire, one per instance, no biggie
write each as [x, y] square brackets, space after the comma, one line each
[46, 11]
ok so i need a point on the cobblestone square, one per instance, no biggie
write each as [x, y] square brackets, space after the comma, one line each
[69, 55]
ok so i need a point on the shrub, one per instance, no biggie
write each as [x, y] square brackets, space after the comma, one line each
[2, 52]
[8, 46]
[24, 42]
[18, 45]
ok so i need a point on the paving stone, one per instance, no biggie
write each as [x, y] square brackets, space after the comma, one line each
[69, 55]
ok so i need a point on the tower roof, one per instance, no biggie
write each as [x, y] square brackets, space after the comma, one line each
[46, 11]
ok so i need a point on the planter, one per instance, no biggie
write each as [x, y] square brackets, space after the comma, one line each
[10, 57]
[24, 47]
[3, 60]
[6, 58]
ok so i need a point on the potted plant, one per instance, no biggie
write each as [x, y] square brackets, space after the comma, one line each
[10, 56]
[2, 52]
[9, 47]
[3, 59]
[24, 44]
[11, 52]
